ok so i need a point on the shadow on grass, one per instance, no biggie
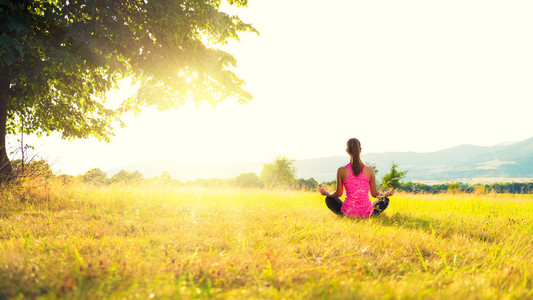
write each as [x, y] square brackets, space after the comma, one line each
[439, 228]
[406, 221]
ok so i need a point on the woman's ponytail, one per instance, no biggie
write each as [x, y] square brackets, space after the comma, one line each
[354, 148]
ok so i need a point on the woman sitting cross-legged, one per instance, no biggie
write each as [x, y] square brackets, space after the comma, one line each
[357, 179]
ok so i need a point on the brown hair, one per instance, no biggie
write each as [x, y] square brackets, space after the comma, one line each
[354, 149]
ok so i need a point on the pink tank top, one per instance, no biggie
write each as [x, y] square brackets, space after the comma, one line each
[357, 203]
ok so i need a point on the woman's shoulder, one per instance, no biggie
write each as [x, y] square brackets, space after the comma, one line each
[368, 171]
[343, 170]
[368, 167]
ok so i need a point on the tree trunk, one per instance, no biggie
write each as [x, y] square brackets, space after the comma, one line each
[5, 164]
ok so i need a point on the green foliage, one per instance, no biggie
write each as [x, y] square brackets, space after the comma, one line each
[248, 180]
[95, 176]
[307, 184]
[392, 179]
[65, 179]
[454, 187]
[164, 180]
[59, 58]
[280, 172]
[500, 188]
[165, 177]
[33, 168]
[127, 177]
[211, 182]
[415, 187]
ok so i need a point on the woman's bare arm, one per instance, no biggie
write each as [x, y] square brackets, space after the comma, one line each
[340, 187]
[373, 187]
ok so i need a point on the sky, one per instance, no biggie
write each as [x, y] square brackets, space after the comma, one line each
[406, 75]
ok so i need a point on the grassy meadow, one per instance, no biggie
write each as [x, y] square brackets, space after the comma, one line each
[75, 241]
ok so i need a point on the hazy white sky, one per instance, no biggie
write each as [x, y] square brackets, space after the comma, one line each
[399, 75]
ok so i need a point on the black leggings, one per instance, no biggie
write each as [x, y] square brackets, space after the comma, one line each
[335, 204]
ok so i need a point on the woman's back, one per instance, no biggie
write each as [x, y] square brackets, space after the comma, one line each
[357, 203]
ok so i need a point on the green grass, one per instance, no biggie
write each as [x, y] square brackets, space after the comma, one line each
[153, 242]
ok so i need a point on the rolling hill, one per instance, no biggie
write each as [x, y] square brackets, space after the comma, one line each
[463, 162]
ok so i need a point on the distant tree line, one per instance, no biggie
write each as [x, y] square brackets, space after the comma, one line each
[458, 187]
[278, 174]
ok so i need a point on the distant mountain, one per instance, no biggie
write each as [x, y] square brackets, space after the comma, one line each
[463, 162]
[513, 160]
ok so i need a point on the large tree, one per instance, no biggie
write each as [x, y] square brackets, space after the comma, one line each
[58, 58]
[280, 172]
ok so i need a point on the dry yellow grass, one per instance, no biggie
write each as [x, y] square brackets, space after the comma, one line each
[154, 242]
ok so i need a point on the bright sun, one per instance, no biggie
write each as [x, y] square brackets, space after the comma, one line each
[396, 74]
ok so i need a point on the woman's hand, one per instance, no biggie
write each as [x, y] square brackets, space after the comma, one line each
[323, 192]
[389, 193]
